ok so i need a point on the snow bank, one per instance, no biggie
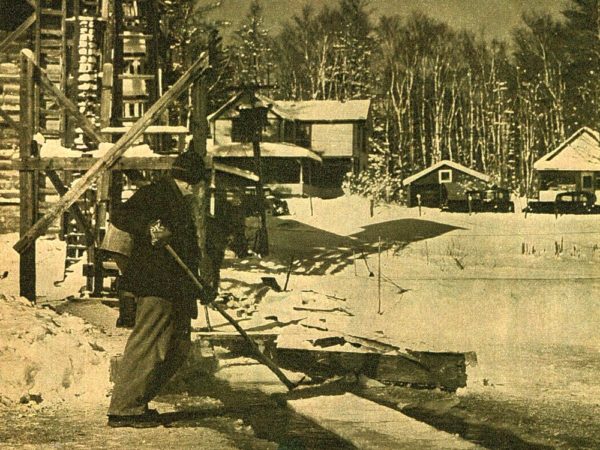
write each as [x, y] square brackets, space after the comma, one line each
[47, 358]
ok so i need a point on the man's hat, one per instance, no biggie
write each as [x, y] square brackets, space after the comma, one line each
[188, 167]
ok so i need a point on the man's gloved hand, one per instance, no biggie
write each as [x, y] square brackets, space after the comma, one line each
[208, 294]
[159, 234]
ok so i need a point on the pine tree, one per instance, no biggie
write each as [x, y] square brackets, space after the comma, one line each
[252, 54]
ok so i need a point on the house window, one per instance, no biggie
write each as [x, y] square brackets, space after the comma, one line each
[445, 176]
[587, 181]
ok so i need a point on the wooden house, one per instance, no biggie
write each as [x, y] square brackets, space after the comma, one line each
[428, 185]
[573, 166]
[308, 146]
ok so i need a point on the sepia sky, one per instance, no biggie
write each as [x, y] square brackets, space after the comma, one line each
[494, 18]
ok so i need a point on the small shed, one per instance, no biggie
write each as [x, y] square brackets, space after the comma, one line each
[431, 182]
[573, 166]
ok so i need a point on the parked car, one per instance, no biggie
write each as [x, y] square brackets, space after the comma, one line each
[495, 200]
[480, 200]
[574, 202]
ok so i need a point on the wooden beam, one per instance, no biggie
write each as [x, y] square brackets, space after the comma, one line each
[125, 163]
[42, 79]
[75, 209]
[112, 156]
[9, 120]
[17, 33]
[27, 180]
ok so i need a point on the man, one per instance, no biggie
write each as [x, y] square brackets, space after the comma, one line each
[157, 214]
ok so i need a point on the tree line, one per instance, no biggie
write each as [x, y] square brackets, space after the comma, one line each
[438, 93]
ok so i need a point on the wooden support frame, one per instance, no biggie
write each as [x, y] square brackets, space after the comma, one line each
[40, 77]
[21, 29]
[9, 120]
[28, 186]
[75, 209]
[196, 70]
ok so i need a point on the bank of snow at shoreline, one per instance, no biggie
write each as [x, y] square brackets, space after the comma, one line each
[47, 359]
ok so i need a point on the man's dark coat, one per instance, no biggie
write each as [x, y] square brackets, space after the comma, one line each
[151, 271]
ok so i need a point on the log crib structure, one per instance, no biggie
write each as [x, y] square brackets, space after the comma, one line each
[91, 82]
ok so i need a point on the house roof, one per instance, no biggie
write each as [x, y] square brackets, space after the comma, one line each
[267, 150]
[441, 164]
[323, 110]
[308, 110]
[579, 152]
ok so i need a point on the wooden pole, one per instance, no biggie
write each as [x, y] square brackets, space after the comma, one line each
[113, 155]
[263, 247]
[261, 357]
[27, 179]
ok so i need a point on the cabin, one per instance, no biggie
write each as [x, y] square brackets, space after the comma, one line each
[431, 186]
[307, 147]
[573, 166]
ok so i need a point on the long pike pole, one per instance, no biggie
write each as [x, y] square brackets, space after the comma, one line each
[262, 358]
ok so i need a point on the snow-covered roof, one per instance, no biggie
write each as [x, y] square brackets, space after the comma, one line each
[267, 150]
[323, 110]
[443, 163]
[308, 110]
[579, 152]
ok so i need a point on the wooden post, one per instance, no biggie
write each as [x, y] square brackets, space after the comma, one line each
[64, 72]
[27, 179]
[419, 203]
[260, 192]
[113, 155]
[379, 275]
[116, 26]
[37, 51]
[106, 96]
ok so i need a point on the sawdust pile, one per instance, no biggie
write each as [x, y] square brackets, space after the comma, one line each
[48, 359]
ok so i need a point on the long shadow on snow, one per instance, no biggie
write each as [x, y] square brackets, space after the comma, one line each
[317, 251]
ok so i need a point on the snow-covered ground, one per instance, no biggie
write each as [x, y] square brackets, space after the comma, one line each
[488, 283]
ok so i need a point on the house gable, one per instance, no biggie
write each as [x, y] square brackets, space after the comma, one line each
[580, 152]
[431, 175]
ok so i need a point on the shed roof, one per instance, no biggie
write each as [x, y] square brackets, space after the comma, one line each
[441, 164]
[267, 150]
[579, 152]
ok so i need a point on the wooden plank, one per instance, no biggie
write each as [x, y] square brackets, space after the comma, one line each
[106, 96]
[111, 157]
[124, 163]
[370, 426]
[41, 77]
[427, 369]
[10, 38]
[77, 213]
[27, 180]
[9, 120]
